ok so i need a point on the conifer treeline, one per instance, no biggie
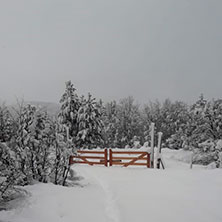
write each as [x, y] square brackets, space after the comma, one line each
[92, 123]
[182, 126]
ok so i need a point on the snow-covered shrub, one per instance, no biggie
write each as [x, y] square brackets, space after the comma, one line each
[207, 146]
[204, 158]
[208, 152]
[62, 149]
[146, 144]
[23, 142]
[41, 143]
[9, 173]
[220, 159]
[212, 166]
[136, 144]
[175, 142]
[219, 145]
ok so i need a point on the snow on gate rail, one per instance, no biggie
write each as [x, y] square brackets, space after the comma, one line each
[81, 158]
[124, 158]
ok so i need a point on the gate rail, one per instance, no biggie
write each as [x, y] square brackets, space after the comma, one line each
[116, 158]
[83, 159]
[124, 158]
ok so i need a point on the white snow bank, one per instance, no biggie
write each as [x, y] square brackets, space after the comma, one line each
[179, 155]
[117, 194]
[143, 195]
[56, 203]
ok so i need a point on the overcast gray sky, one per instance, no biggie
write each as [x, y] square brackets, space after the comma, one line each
[112, 48]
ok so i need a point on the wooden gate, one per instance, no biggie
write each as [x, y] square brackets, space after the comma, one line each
[124, 158]
[86, 157]
[129, 158]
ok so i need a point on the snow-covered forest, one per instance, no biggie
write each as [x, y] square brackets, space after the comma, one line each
[35, 145]
[110, 111]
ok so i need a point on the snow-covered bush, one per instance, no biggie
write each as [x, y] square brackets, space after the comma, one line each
[9, 173]
[24, 144]
[136, 144]
[208, 152]
[61, 151]
[175, 141]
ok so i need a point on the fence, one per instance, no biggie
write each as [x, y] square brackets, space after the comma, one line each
[81, 158]
[124, 158]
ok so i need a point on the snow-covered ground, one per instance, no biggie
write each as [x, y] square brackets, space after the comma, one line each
[118, 194]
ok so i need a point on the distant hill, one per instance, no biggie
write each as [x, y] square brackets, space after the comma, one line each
[51, 108]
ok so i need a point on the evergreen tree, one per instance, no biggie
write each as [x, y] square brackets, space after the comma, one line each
[111, 124]
[69, 110]
[129, 123]
[195, 131]
[174, 124]
[6, 125]
[152, 114]
[90, 123]
[213, 118]
[199, 107]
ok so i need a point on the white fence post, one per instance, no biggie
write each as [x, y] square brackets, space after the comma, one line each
[152, 144]
[158, 157]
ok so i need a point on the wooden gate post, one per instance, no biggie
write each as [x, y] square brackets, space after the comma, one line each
[148, 160]
[110, 157]
[152, 144]
[106, 157]
[70, 160]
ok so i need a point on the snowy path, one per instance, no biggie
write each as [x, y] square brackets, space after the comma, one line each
[111, 208]
[117, 194]
[170, 195]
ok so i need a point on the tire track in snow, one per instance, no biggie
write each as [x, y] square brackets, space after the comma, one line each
[111, 209]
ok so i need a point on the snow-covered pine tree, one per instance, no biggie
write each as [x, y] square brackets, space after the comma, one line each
[152, 114]
[203, 130]
[210, 132]
[6, 124]
[65, 133]
[174, 124]
[200, 105]
[130, 122]
[111, 122]
[169, 118]
[101, 112]
[90, 123]
[213, 117]
[69, 111]
[197, 123]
